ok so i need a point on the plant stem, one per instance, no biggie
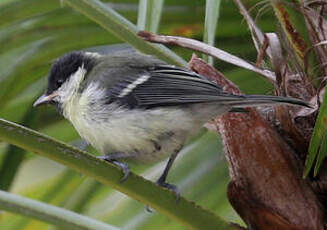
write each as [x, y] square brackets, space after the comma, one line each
[122, 28]
[49, 213]
[137, 187]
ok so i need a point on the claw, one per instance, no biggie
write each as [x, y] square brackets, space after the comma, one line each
[148, 209]
[121, 165]
[125, 169]
[171, 187]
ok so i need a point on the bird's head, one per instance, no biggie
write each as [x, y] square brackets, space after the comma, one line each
[65, 76]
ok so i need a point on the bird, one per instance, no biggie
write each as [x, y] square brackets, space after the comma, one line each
[137, 108]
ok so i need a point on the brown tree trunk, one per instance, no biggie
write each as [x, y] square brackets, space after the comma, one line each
[266, 189]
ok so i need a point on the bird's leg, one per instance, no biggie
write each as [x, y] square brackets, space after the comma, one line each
[162, 179]
[112, 158]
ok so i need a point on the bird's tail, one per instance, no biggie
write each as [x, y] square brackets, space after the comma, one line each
[257, 100]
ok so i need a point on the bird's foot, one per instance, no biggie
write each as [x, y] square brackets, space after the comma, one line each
[120, 164]
[171, 187]
[166, 185]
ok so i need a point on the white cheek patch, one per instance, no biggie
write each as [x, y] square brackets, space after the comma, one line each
[79, 75]
[71, 86]
[68, 92]
[129, 88]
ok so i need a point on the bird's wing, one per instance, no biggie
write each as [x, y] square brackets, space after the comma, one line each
[166, 85]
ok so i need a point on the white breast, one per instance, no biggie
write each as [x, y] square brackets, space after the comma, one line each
[111, 128]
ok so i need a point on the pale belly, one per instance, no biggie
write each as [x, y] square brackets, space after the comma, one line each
[138, 135]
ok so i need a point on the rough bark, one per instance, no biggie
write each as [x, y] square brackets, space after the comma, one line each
[266, 187]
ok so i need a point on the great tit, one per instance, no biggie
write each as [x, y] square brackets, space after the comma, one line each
[136, 107]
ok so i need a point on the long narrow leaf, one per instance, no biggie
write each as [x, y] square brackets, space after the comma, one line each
[55, 194]
[154, 19]
[317, 139]
[322, 154]
[149, 15]
[48, 213]
[142, 190]
[210, 25]
[291, 27]
[142, 14]
[122, 28]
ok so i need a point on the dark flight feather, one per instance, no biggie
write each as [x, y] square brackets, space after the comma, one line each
[170, 86]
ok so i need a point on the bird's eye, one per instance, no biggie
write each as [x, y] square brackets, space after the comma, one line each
[59, 82]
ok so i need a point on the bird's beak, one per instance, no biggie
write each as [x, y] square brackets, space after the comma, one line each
[45, 99]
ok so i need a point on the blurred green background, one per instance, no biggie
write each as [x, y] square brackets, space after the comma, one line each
[33, 33]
